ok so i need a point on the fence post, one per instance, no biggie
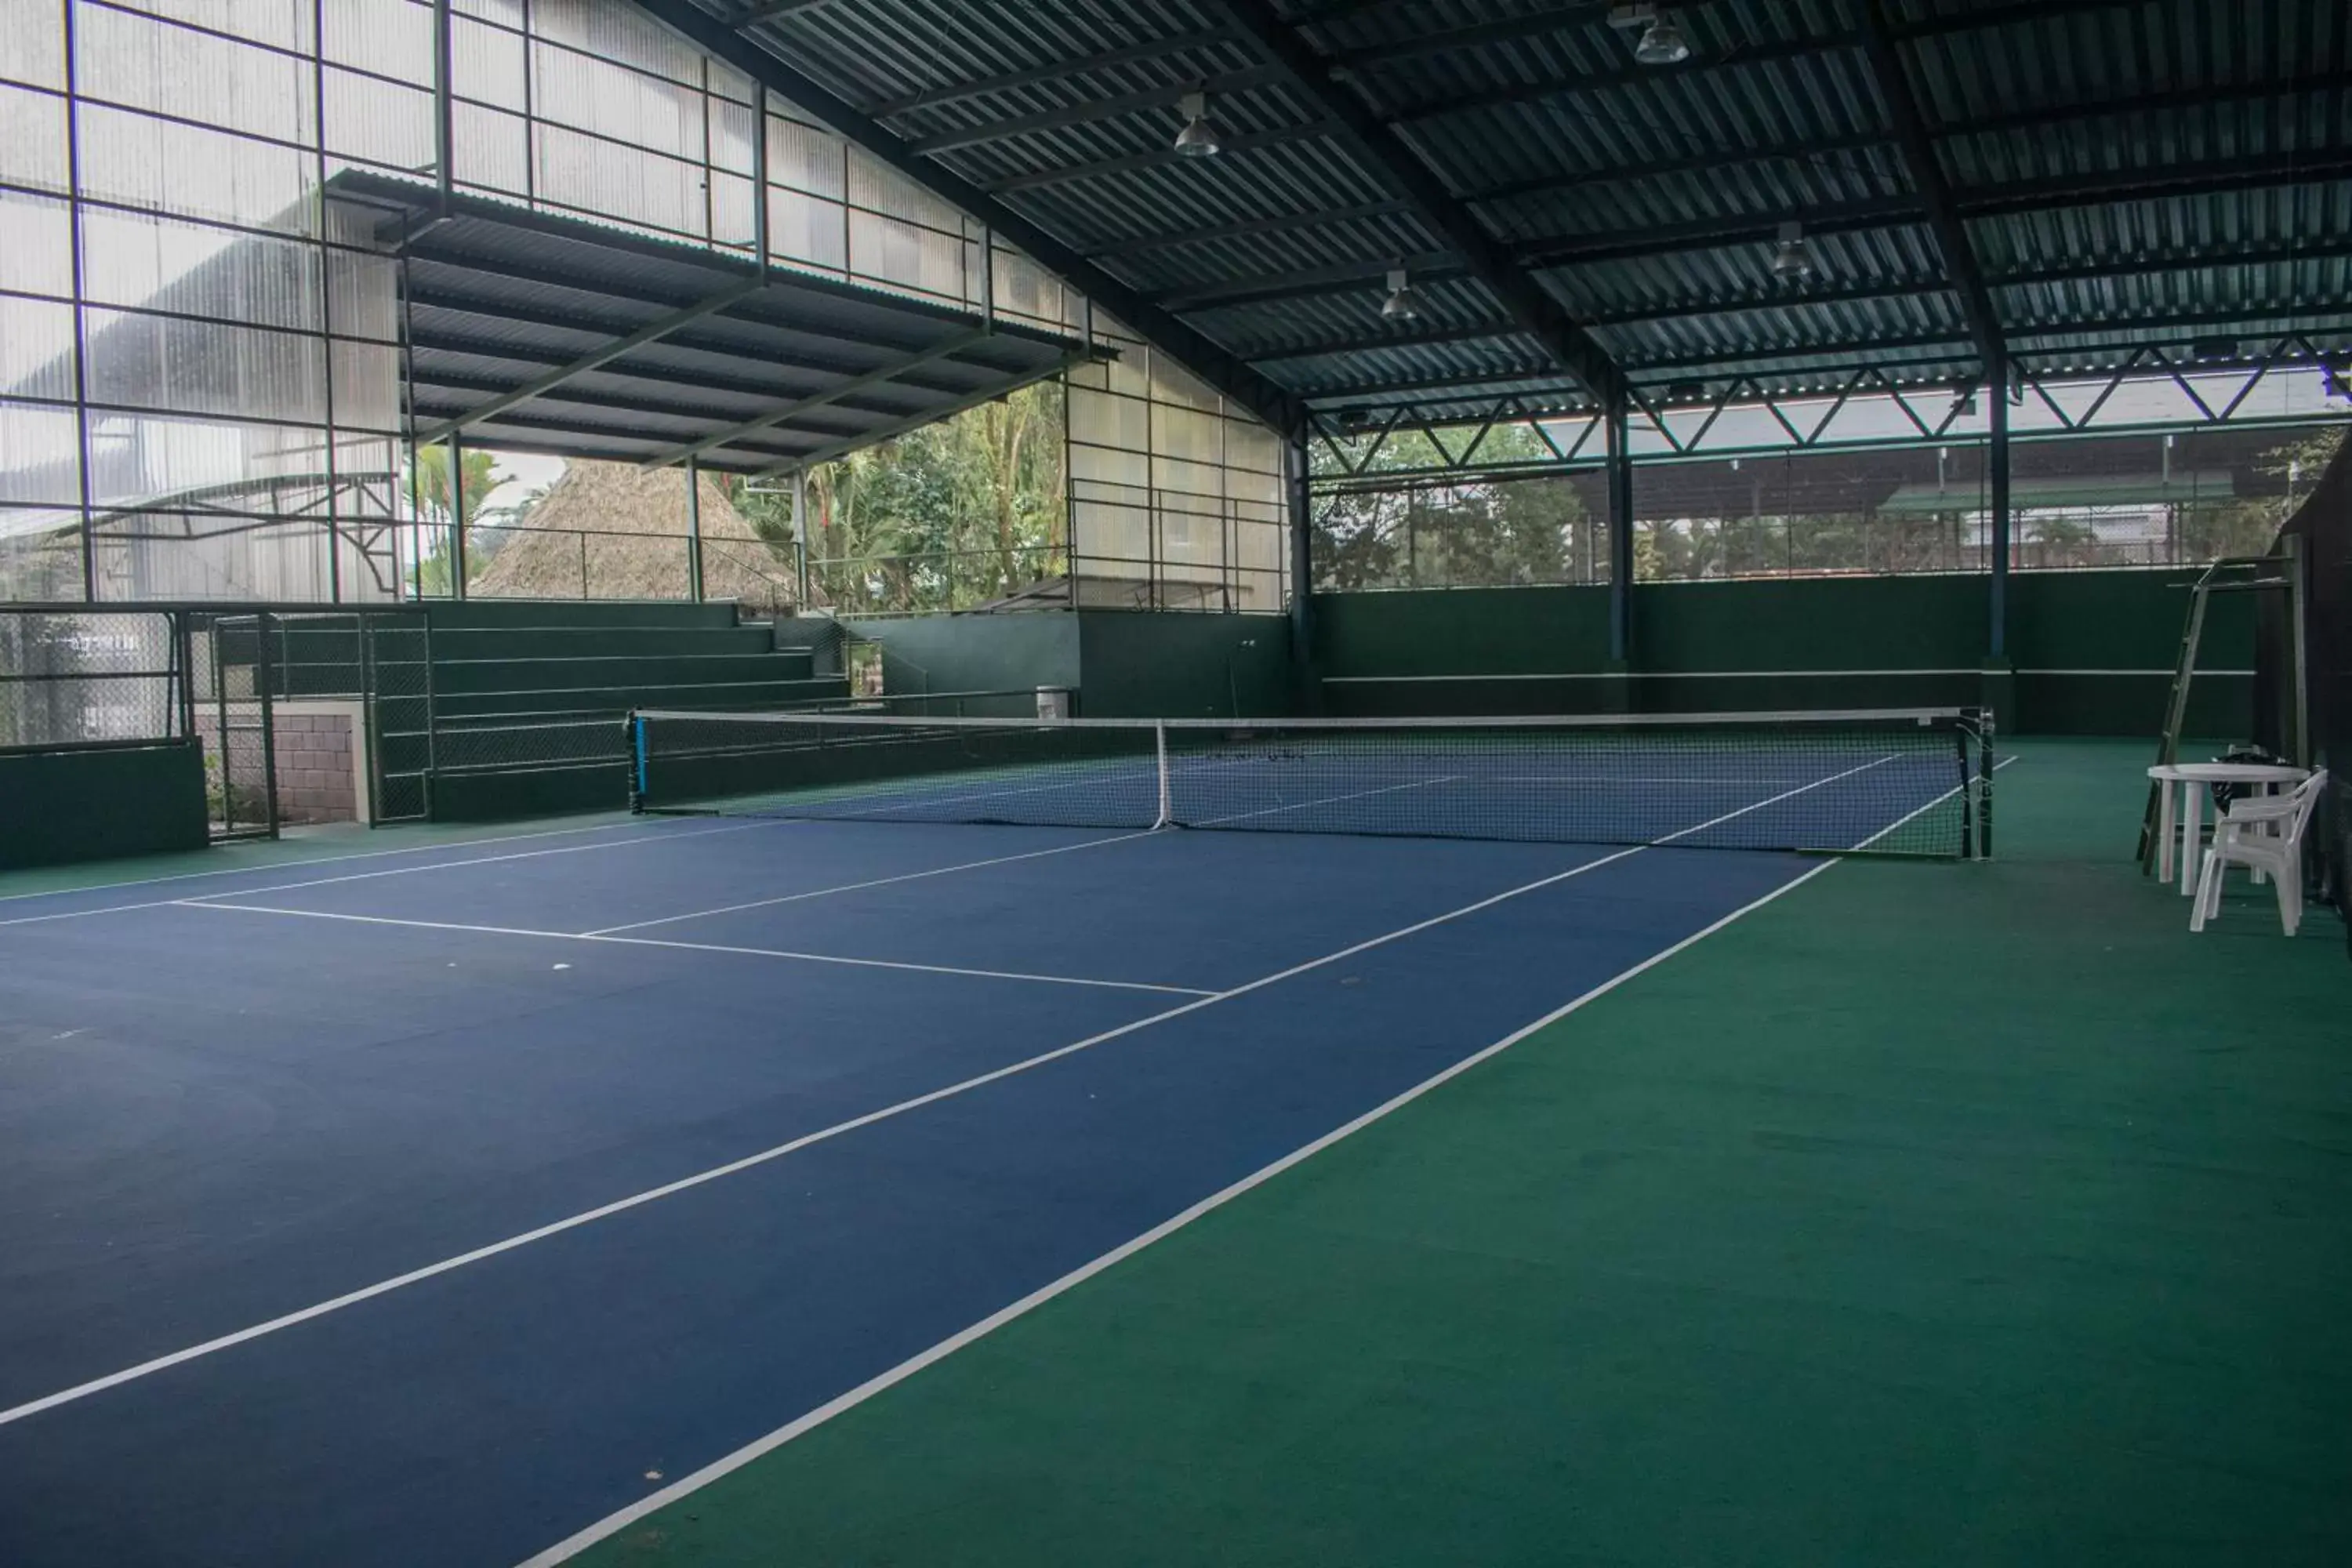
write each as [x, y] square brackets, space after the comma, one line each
[694, 530]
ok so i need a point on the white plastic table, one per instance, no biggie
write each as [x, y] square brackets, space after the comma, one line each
[2188, 779]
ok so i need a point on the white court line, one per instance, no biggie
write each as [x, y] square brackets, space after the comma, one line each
[716, 1173]
[293, 862]
[876, 882]
[694, 947]
[659, 837]
[1327, 800]
[765, 1156]
[685, 1486]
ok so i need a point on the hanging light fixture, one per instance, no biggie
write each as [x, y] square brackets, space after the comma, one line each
[1199, 138]
[1403, 304]
[1793, 259]
[1662, 42]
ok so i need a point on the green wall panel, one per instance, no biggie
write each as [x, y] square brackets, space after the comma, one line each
[58, 808]
[1173, 665]
[976, 653]
[1462, 631]
[1813, 642]
[1828, 624]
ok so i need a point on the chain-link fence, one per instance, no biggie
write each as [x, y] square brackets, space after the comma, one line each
[300, 716]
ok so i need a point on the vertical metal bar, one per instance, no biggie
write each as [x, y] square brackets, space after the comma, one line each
[637, 750]
[1966, 786]
[443, 108]
[457, 517]
[529, 107]
[987, 278]
[371, 722]
[326, 288]
[2299, 584]
[800, 539]
[759, 175]
[80, 326]
[432, 717]
[1167, 817]
[1621, 536]
[693, 530]
[709, 180]
[1997, 459]
[1985, 767]
[262, 676]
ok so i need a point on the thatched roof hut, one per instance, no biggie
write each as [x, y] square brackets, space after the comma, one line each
[612, 531]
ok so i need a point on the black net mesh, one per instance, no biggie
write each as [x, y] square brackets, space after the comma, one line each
[1916, 782]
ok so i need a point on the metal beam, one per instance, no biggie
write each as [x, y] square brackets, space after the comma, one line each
[1573, 87]
[1245, 229]
[772, 10]
[1935, 193]
[1702, 163]
[1836, 294]
[652, 331]
[1731, 358]
[808, 460]
[2149, 104]
[1709, 234]
[1070, 174]
[1387, 157]
[1005, 128]
[1059, 70]
[1475, 34]
[2140, 265]
[945, 349]
[1510, 377]
[1373, 342]
[1339, 278]
[1197, 353]
[2269, 170]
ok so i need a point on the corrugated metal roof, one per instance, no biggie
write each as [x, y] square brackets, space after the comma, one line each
[521, 328]
[2127, 171]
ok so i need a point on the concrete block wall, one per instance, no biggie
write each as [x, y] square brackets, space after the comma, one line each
[315, 764]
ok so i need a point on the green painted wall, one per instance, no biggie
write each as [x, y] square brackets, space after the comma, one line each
[1173, 665]
[976, 653]
[1462, 631]
[2093, 649]
[57, 808]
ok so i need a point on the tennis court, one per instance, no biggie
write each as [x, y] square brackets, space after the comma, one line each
[583, 1160]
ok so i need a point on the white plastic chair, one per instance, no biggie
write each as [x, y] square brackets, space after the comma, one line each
[2264, 835]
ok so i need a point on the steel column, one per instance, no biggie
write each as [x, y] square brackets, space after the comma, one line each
[1620, 538]
[1997, 481]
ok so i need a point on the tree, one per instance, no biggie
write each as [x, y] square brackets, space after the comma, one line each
[944, 517]
[428, 481]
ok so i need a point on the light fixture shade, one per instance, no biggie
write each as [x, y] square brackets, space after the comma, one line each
[1793, 259]
[1661, 43]
[1403, 304]
[1198, 138]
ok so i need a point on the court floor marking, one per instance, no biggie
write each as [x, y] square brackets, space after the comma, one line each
[1327, 800]
[685, 1486]
[874, 882]
[694, 947]
[824, 1135]
[326, 859]
[395, 871]
[765, 1156]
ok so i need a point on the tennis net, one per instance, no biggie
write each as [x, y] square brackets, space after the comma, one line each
[1905, 782]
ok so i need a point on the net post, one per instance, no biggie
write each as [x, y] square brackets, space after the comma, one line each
[1984, 785]
[636, 731]
[1167, 817]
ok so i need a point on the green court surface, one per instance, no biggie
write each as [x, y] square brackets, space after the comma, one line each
[1929, 1214]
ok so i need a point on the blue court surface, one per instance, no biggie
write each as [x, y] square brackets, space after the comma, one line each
[429, 1208]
